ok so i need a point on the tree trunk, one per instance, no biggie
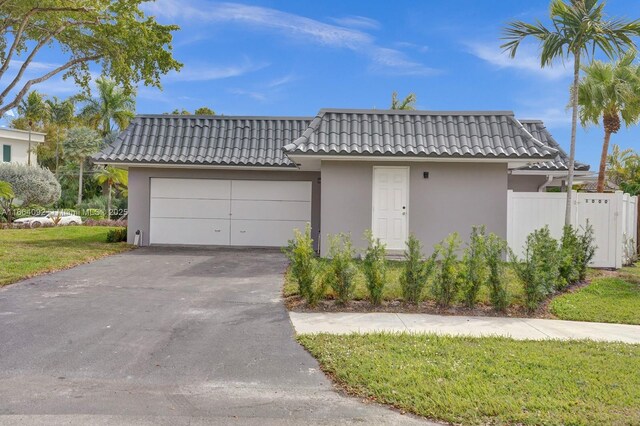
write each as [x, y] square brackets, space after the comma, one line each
[574, 128]
[603, 161]
[80, 182]
[109, 201]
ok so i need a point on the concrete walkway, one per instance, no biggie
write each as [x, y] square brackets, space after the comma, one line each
[516, 328]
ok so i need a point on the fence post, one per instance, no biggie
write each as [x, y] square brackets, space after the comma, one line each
[618, 205]
[509, 216]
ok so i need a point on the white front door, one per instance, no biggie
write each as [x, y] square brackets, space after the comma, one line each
[390, 209]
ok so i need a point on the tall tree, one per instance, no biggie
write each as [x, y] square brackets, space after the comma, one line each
[33, 113]
[80, 143]
[623, 169]
[407, 104]
[112, 105]
[579, 27]
[610, 91]
[112, 177]
[204, 111]
[114, 34]
[61, 114]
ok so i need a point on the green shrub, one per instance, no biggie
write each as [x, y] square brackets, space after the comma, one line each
[117, 235]
[569, 257]
[495, 249]
[416, 271]
[586, 250]
[304, 266]
[539, 269]
[341, 269]
[447, 279]
[374, 266]
[474, 268]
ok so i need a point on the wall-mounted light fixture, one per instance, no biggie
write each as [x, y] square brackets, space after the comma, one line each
[425, 175]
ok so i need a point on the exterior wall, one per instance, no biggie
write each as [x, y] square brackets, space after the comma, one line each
[455, 197]
[19, 151]
[19, 142]
[140, 180]
[524, 183]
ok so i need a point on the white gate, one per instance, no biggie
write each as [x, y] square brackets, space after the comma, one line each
[613, 217]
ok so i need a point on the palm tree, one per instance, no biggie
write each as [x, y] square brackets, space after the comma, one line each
[112, 106]
[623, 169]
[111, 176]
[60, 117]
[578, 27]
[407, 104]
[78, 145]
[34, 111]
[610, 91]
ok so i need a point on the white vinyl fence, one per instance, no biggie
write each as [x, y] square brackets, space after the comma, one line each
[614, 218]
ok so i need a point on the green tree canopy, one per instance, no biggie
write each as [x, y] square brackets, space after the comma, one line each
[204, 111]
[111, 105]
[129, 46]
[112, 177]
[407, 104]
[611, 92]
[6, 191]
[579, 27]
[80, 143]
[30, 184]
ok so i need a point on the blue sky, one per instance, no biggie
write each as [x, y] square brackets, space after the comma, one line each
[295, 57]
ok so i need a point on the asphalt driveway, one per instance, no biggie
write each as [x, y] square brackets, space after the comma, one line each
[163, 336]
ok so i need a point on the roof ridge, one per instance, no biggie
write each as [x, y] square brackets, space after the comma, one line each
[416, 112]
[226, 117]
[539, 142]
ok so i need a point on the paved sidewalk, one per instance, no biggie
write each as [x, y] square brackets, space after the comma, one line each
[516, 328]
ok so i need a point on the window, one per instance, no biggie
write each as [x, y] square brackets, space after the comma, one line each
[6, 153]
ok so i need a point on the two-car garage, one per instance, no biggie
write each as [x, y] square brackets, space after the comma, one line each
[196, 211]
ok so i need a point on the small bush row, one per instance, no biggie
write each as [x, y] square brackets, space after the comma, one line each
[442, 267]
[548, 265]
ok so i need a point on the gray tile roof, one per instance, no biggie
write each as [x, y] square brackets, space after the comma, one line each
[455, 134]
[211, 140]
[561, 160]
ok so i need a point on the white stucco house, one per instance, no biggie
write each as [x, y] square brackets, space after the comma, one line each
[17, 146]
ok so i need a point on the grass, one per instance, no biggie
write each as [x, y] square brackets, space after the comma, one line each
[614, 300]
[393, 291]
[487, 380]
[26, 253]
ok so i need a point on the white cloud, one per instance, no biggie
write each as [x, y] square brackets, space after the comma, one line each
[391, 59]
[355, 21]
[294, 26]
[198, 72]
[281, 81]
[259, 96]
[527, 59]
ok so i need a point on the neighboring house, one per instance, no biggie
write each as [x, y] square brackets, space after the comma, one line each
[251, 180]
[17, 146]
[553, 173]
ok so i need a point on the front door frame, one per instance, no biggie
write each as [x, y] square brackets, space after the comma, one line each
[373, 200]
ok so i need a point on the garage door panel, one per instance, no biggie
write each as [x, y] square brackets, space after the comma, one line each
[190, 188]
[189, 231]
[190, 208]
[271, 190]
[270, 210]
[266, 233]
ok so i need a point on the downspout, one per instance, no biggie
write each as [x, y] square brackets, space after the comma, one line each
[542, 187]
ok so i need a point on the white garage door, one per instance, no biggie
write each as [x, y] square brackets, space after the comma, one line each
[227, 212]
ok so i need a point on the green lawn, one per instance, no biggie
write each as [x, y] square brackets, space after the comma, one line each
[393, 290]
[28, 252]
[488, 380]
[612, 299]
